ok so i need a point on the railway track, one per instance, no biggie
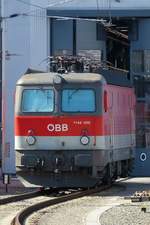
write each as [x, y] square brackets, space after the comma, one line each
[20, 197]
[21, 217]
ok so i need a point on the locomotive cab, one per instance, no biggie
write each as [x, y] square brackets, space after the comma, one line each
[63, 130]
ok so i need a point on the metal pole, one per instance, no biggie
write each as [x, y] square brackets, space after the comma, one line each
[3, 84]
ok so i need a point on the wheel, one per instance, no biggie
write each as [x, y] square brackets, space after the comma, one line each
[107, 178]
[124, 169]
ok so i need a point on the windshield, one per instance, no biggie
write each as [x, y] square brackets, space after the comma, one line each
[78, 100]
[38, 100]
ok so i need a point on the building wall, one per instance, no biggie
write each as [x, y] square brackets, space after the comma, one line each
[15, 62]
[39, 34]
[140, 42]
[140, 65]
[102, 4]
[87, 37]
[0, 88]
[24, 46]
[62, 35]
[143, 36]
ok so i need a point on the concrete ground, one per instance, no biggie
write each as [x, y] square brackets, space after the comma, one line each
[13, 188]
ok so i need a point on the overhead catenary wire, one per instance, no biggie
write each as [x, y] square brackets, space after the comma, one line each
[30, 4]
[55, 17]
[109, 11]
[97, 4]
[44, 8]
[60, 2]
[49, 5]
[102, 21]
[69, 18]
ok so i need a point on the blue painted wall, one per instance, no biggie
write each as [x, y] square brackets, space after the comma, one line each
[62, 35]
[143, 41]
[142, 163]
[86, 37]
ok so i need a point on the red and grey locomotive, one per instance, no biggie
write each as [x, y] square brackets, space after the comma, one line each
[73, 130]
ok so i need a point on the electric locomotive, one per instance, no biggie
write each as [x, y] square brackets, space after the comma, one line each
[73, 129]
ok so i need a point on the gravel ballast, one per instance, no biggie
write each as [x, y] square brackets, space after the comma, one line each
[128, 214]
[75, 212]
[83, 211]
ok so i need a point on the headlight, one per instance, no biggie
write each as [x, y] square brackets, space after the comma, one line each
[31, 140]
[84, 140]
[57, 79]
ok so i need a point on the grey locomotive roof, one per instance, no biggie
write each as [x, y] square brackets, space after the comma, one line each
[47, 78]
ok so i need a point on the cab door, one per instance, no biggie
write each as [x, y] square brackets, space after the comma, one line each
[110, 119]
[132, 118]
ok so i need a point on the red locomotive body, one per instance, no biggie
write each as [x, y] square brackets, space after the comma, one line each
[73, 130]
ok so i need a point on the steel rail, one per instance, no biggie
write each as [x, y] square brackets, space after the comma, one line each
[20, 197]
[21, 216]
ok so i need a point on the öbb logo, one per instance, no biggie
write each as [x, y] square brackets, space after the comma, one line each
[57, 127]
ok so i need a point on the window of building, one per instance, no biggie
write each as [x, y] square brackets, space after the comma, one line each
[138, 61]
[100, 32]
[141, 61]
[147, 61]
